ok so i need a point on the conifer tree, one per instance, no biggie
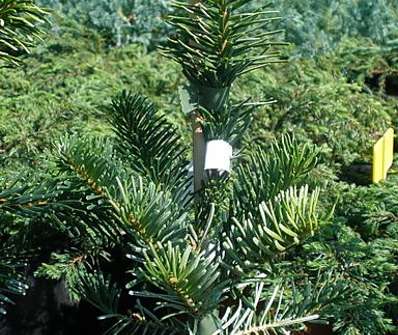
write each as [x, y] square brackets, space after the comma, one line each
[197, 251]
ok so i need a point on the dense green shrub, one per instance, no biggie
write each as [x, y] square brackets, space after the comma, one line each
[359, 250]
[318, 103]
[119, 21]
[62, 87]
[66, 81]
[372, 213]
[372, 65]
[367, 269]
[319, 25]
[19, 28]
[315, 26]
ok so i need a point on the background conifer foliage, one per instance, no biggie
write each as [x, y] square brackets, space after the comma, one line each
[18, 29]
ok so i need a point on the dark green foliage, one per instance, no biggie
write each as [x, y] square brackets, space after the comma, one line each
[284, 164]
[193, 290]
[131, 192]
[373, 213]
[284, 219]
[62, 87]
[12, 264]
[147, 140]
[19, 20]
[231, 123]
[370, 64]
[316, 102]
[360, 248]
[215, 41]
[368, 268]
[15, 203]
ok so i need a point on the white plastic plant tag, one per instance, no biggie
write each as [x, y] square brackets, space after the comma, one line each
[218, 156]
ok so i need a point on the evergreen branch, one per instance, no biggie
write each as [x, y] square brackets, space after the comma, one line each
[19, 21]
[104, 295]
[261, 316]
[150, 144]
[88, 186]
[320, 293]
[111, 202]
[148, 214]
[190, 281]
[215, 44]
[92, 162]
[23, 200]
[12, 280]
[12, 258]
[99, 291]
[265, 173]
[135, 324]
[68, 267]
[229, 124]
[285, 221]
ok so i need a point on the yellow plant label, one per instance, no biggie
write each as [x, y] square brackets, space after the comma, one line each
[383, 152]
[388, 149]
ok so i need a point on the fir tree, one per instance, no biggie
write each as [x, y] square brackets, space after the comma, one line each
[198, 251]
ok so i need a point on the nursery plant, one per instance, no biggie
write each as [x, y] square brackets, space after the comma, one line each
[169, 237]
[346, 271]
